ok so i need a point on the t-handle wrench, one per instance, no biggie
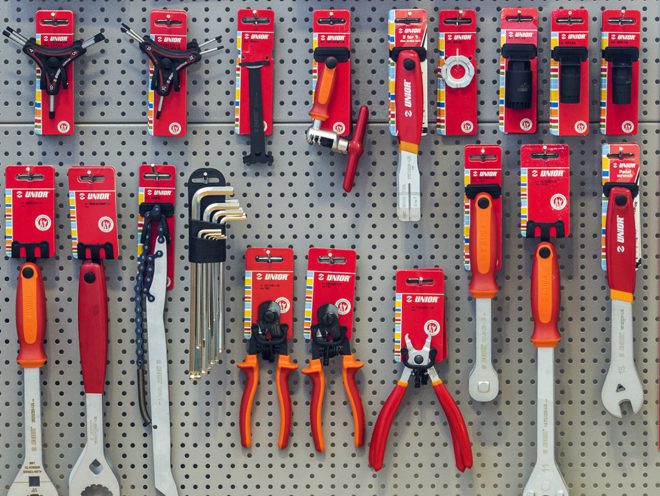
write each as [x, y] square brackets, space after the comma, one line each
[546, 480]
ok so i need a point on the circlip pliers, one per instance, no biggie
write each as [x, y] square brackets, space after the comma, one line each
[419, 365]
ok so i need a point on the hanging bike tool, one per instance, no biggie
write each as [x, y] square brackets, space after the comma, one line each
[170, 54]
[620, 257]
[156, 198]
[254, 81]
[332, 110]
[30, 234]
[93, 215]
[53, 50]
[483, 256]
[268, 328]
[328, 325]
[408, 103]
[209, 213]
[545, 213]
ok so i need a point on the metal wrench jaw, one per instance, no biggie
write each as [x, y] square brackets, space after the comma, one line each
[546, 480]
[27, 483]
[166, 486]
[622, 384]
[484, 384]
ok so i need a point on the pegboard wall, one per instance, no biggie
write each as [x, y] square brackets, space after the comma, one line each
[298, 202]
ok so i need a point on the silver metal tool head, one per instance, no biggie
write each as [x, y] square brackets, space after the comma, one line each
[546, 480]
[414, 355]
[230, 204]
[201, 193]
[32, 479]
[622, 385]
[484, 382]
[409, 193]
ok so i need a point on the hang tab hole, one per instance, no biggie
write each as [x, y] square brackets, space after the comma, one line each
[30, 177]
[96, 467]
[268, 259]
[457, 21]
[545, 155]
[332, 260]
[419, 281]
[255, 20]
[331, 21]
[157, 176]
[482, 158]
[91, 178]
[205, 180]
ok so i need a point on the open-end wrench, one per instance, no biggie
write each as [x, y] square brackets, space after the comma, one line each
[546, 480]
[32, 478]
[622, 383]
[92, 467]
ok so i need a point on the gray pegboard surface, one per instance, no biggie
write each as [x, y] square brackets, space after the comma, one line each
[298, 202]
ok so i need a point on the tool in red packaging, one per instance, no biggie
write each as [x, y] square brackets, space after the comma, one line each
[483, 255]
[156, 198]
[268, 328]
[93, 215]
[332, 110]
[621, 256]
[420, 341]
[619, 71]
[457, 84]
[170, 54]
[254, 81]
[408, 102]
[545, 213]
[53, 50]
[30, 234]
[518, 75]
[569, 72]
[328, 325]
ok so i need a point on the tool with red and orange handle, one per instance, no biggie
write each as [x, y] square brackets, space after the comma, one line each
[546, 301]
[419, 364]
[622, 383]
[329, 340]
[484, 242]
[268, 340]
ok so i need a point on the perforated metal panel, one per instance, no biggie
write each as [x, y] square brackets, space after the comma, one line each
[298, 202]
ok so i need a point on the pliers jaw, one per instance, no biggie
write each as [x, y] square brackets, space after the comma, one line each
[269, 336]
[328, 336]
[417, 363]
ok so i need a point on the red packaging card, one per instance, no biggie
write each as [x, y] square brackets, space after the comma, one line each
[620, 164]
[268, 277]
[619, 72]
[93, 208]
[332, 29]
[330, 279]
[157, 184]
[457, 70]
[545, 189]
[254, 40]
[482, 172]
[169, 28]
[420, 311]
[519, 27]
[569, 73]
[29, 209]
[55, 28]
[407, 28]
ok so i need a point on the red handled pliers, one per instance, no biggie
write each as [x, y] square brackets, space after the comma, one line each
[420, 365]
[268, 340]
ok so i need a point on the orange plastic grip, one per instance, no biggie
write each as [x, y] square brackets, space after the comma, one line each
[324, 89]
[284, 369]
[383, 426]
[350, 366]
[546, 296]
[315, 372]
[249, 366]
[484, 239]
[30, 316]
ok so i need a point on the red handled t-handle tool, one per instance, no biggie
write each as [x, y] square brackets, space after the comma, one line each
[330, 58]
[622, 382]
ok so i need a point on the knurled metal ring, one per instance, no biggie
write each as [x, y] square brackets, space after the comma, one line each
[457, 61]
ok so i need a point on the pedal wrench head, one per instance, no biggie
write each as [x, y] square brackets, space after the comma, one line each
[546, 480]
[30, 484]
[93, 469]
[621, 387]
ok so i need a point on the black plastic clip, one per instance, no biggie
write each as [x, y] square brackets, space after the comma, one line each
[518, 76]
[29, 250]
[570, 70]
[93, 252]
[472, 190]
[421, 51]
[622, 59]
[544, 229]
[633, 187]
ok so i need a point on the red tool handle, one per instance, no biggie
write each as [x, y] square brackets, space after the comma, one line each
[249, 366]
[546, 297]
[30, 316]
[350, 366]
[459, 434]
[384, 424]
[620, 244]
[284, 368]
[484, 240]
[325, 86]
[93, 326]
[409, 100]
[355, 148]
[315, 372]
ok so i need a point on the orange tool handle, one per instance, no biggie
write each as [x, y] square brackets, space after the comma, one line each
[484, 240]
[459, 434]
[355, 148]
[350, 366]
[249, 366]
[384, 424]
[284, 368]
[315, 372]
[546, 296]
[30, 316]
[620, 244]
[325, 86]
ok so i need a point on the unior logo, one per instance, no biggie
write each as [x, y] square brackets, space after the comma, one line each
[343, 305]
[431, 327]
[526, 124]
[558, 202]
[175, 128]
[339, 128]
[620, 234]
[407, 94]
[106, 224]
[43, 222]
[467, 126]
[63, 127]
[284, 303]
[627, 126]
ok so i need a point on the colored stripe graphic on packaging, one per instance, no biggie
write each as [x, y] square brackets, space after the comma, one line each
[391, 73]
[441, 92]
[150, 104]
[247, 313]
[397, 327]
[502, 79]
[603, 214]
[237, 101]
[74, 223]
[38, 96]
[554, 87]
[9, 231]
[466, 222]
[309, 296]
[603, 84]
[140, 223]
[523, 201]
